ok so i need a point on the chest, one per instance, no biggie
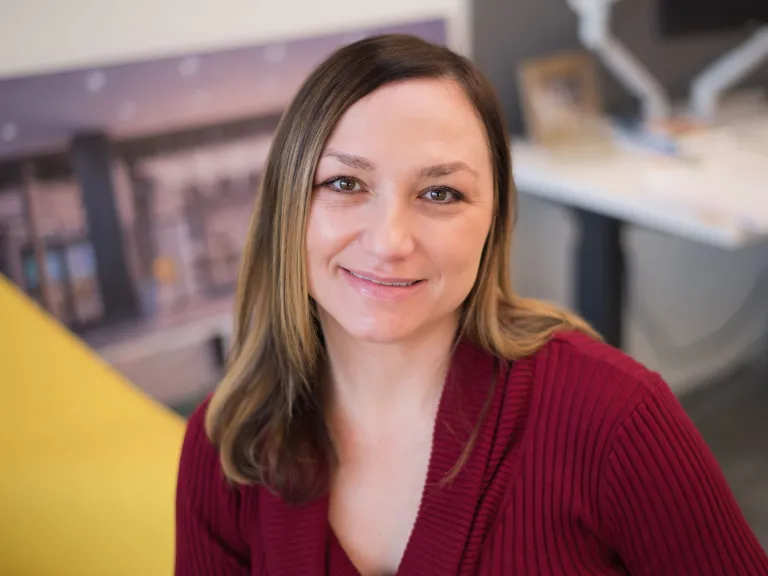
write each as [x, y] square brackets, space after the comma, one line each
[375, 499]
[506, 512]
[462, 530]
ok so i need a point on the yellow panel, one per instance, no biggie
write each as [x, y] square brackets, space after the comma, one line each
[87, 461]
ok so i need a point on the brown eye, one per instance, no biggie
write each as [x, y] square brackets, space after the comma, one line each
[442, 195]
[343, 184]
[438, 195]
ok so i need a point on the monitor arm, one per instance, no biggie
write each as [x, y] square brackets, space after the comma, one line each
[595, 34]
[726, 71]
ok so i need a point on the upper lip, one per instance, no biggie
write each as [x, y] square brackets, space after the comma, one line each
[382, 279]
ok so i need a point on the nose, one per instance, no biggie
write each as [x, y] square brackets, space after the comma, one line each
[388, 233]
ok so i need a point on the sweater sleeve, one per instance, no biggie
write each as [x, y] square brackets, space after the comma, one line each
[207, 535]
[665, 504]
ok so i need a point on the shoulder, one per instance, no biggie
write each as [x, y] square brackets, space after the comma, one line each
[587, 387]
[204, 495]
[197, 447]
[212, 514]
[200, 472]
[574, 349]
[575, 360]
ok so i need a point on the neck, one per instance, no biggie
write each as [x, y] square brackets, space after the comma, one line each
[372, 381]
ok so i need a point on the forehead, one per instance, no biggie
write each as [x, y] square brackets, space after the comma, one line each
[425, 120]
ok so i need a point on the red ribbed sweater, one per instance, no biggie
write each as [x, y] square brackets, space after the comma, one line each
[585, 464]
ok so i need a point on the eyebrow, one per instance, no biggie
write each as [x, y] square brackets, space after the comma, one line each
[439, 170]
[351, 160]
[435, 171]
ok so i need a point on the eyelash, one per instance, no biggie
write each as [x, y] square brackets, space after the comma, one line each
[457, 196]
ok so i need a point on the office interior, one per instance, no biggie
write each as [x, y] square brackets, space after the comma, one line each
[126, 189]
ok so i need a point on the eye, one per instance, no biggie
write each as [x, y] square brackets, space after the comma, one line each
[343, 184]
[442, 195]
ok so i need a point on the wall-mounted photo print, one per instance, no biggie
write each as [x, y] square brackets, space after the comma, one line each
[126, 194]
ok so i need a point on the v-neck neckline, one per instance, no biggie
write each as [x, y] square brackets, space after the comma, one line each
[445, 513]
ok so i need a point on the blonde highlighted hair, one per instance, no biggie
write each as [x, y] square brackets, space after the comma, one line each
[266, 416]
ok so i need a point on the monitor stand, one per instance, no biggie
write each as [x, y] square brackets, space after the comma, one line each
[725, 72]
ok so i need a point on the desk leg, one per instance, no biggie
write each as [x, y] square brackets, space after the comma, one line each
[600, 274]
[218, 349]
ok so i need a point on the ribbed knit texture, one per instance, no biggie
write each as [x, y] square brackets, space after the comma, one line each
[585, 464]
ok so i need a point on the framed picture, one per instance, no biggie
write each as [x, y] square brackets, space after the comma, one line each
[560, 97]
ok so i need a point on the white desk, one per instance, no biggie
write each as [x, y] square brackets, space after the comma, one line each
[721, 200]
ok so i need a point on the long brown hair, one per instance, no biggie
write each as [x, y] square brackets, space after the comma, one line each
[266, 416]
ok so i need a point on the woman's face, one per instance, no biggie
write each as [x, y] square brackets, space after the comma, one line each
[401, 208]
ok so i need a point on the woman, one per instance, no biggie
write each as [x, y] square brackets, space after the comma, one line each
[390, 406]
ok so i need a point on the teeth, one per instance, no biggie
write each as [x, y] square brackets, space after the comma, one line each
[401, 284]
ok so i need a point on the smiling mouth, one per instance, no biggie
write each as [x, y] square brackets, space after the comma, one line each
[395, 282]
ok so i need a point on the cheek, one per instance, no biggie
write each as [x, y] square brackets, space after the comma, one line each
[319, 229]
[458, 254]
[332, 216]
[325, 237]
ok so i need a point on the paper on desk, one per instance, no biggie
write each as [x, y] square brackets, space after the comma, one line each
[728, 179]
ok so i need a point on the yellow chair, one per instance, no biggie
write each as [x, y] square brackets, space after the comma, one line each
[87, 462]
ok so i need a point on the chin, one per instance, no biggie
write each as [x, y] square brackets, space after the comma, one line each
[380, 331]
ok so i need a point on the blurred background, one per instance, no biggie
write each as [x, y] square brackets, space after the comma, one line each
[133, 136]
[126, 193]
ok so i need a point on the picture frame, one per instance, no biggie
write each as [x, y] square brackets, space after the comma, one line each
[560, 97]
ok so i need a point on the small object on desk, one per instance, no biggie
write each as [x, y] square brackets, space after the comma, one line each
[561, 98]
[662, 138]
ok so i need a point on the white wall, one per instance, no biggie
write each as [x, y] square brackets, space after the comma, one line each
[45, 35]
